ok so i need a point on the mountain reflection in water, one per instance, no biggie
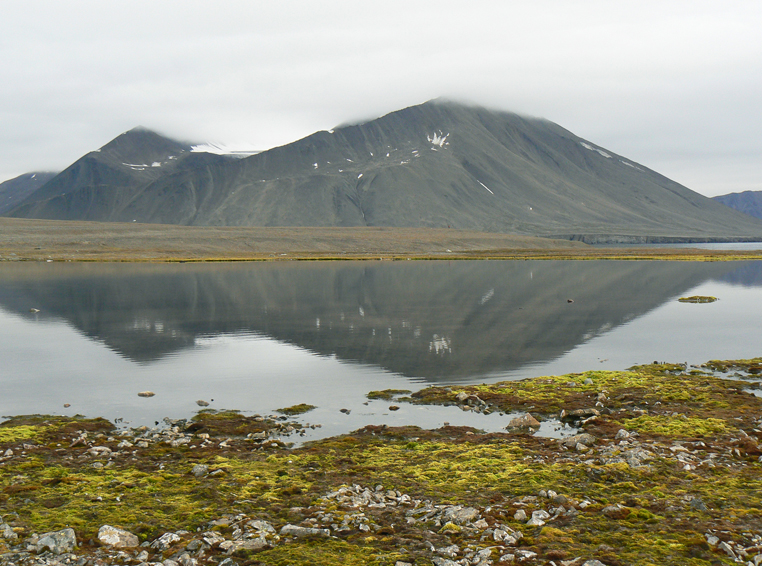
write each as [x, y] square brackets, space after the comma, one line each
[436, 320]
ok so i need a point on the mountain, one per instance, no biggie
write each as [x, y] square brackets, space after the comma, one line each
[438, 164]
[15, 190]
[748, 202]
[104, 180]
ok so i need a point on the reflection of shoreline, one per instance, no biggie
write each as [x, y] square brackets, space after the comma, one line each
[404, 317]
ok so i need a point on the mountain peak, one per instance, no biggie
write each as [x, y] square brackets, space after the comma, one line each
[142, 146]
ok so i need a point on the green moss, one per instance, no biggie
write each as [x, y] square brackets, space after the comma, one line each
[299, 409]
[697, 299]
[16, 433]
[387, 394]
[330, 552]
[676, 426]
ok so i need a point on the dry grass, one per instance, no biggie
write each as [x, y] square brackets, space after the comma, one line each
[40, 240]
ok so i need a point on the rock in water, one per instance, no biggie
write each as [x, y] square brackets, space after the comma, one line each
[146, 394]
[202, 403]
[117, 538]
[524, 421]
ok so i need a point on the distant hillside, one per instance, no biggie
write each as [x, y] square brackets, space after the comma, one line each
[14, 191]
[438, 164]
[748, 202]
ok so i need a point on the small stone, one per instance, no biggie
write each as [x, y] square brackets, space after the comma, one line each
[524, 421]
[7, 532]
[165, 541]
[698, 504]
[117, 538]
[200, 470]
[394, 408]
[57, 542]
[67, 405]
[559, 499]
[296, 531]
[520, 515]
[345, 411]
[99, 451]
[622, 435]
[585, 439]
[202, 403]
[481, 524]
[146, 394]
[615, 511]
[725, 547]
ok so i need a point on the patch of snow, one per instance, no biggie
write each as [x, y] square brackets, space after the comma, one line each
[591, 148]
[224, 149]
[350, 160]
[330, 131]
[33, 176]
[631, 165]
[371, 154]
[359, 176]
[341, 170]
[136, 166]
[387, 155]
[438, 139]
[156, 164]
[404, 162]
[485, 186]
[315, 165]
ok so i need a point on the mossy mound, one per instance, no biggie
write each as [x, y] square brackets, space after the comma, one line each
[671, 477]
[697, 299]
[299, 409]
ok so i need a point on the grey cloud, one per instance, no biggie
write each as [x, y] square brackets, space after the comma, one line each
[673, 85]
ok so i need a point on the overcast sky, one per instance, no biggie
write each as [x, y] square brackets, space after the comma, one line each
[674, 85]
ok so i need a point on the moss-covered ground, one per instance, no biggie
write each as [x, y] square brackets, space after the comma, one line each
[686, 469]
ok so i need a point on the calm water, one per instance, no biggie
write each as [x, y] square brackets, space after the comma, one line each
[260, 336]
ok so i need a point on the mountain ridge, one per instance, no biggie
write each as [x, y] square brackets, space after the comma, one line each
[439, 164]
[748, 202]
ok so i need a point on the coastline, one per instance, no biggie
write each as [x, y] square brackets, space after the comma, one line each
[48, 240]
[664, 470]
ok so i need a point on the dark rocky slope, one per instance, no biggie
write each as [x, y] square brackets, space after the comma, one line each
[438, 164]
[748, 202]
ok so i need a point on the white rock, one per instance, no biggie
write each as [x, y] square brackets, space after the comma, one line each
[117, 538]
[58, 542]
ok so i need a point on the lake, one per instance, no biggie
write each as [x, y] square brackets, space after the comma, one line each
[260, 336]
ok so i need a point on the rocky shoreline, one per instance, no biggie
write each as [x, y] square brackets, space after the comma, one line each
[665, 470]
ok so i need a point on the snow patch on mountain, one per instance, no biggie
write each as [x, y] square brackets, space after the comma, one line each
[225, 149]
[591, 148]
[438, 138]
